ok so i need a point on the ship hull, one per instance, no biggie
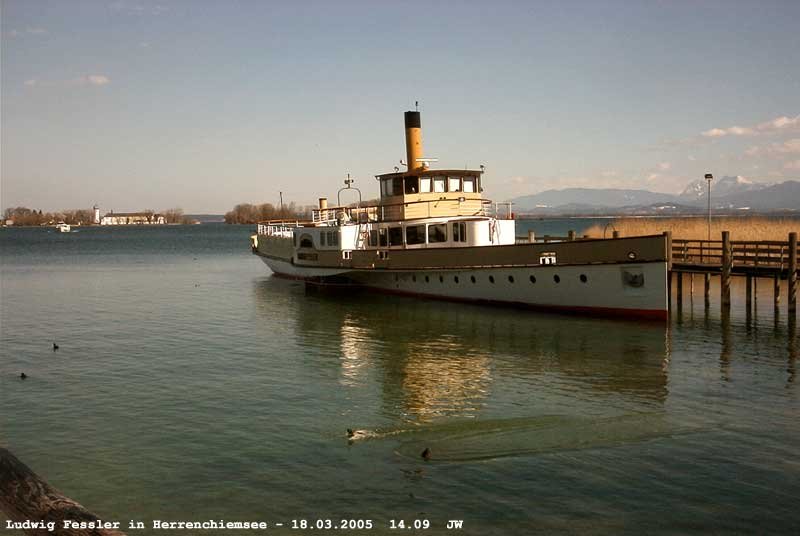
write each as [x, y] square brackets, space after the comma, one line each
[621, 289]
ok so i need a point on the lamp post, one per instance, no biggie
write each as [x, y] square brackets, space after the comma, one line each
[709, 177]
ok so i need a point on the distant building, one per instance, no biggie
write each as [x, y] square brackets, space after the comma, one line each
[132, 218]
[9, 222]
[96, 215]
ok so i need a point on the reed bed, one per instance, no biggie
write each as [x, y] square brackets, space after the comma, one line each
[696, 228]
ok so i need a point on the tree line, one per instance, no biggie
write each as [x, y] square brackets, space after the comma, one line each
[83, 216]
[247, 213]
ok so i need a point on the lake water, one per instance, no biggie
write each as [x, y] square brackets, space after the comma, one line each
[191, 385]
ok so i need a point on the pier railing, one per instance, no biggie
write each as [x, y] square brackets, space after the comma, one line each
[752, 259]
[703, 253]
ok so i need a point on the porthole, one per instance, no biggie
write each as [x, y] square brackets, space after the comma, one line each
[632, 255]
[584, 279]
[427, 279]
[441, 279]
[532, 278]
[472, 278]
[511, 279]
[556, 278]
[491, 279]
[455, 279]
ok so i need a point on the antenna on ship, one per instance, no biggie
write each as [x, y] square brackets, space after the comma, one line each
[416, 106]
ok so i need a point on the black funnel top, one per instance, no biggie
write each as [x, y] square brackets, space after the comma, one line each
[413, 120]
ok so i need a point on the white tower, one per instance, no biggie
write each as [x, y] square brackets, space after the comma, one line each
[96, 214]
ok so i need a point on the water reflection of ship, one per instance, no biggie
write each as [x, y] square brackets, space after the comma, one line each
[439, 359]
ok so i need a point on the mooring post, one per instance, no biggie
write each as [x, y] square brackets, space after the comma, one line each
[727, 265]
[776, 293]
[668, 254]
[707, 289]
[792, 276]
[531, 236]
[570, 235]
[749, 295]
[679, 290]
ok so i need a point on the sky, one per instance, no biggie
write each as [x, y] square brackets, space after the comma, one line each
[202, 104]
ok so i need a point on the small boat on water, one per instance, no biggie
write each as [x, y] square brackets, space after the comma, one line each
[62, 227]
[431, 233]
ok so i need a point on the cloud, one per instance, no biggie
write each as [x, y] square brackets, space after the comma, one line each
[793, 165]
[97, 79]
[87, 80]
[30, 30]
[791, 146]
[608, 174]
[134, 8]
[663, 166]
[779, 124]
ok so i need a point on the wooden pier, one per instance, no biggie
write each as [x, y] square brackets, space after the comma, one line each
[753, 260]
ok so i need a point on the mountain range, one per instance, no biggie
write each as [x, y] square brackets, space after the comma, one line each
[727, 194]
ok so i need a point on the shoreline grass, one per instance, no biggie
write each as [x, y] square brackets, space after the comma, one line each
[696, 228]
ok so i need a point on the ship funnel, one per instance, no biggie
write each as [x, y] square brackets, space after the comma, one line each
[414, 141]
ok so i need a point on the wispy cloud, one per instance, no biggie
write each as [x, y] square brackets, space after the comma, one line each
[138, 8]
[87, 80]
[779, 124]
[791, 146]
[30, 30]
[794, 165]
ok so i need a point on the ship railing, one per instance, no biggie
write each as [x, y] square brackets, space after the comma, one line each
[419, 209]
[279, 228]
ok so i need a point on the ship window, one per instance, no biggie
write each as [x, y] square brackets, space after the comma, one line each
[584, 279]
[322, 239]
[472, 278]
[453, 184]
[491, 279]
[397, 186]
[333, 238]
[438, 184]
[459, 232]
[415, 234]
[395, 236]
[425, 185]
[382, 241]
[469, 185]
[306, 241]
[437, 233]
[556, 278]
[411, 185]
[373, 238]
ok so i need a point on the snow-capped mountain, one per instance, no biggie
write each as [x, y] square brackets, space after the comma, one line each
[696, 190]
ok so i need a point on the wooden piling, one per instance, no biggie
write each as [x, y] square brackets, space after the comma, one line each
[570, 235]
[748, 295]
[25, 496]
[776, 293]
[531, 236]
[727, 266]
[791, 297]
[707, 290]
[679, 290]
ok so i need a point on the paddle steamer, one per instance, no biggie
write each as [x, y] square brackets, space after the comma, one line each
[432, 233]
